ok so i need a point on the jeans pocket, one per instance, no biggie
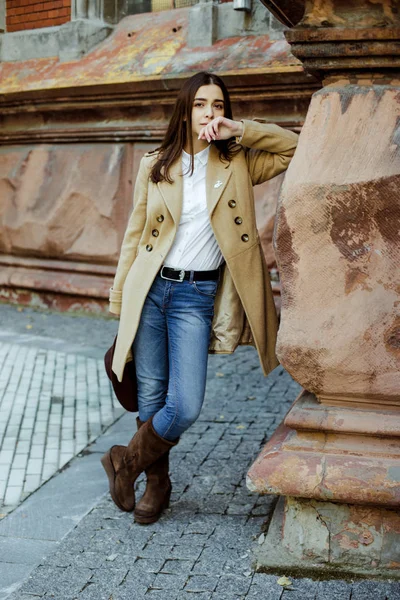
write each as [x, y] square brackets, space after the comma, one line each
[206, 288]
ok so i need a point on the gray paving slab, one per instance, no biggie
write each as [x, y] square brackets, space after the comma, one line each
[65, 500]
[24, 551]
[11, 576]
[339, 590]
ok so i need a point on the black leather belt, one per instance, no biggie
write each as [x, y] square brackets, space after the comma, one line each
[181, 275]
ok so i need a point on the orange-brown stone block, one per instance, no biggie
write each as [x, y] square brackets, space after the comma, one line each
[62, 201]
[312, 535]
[341, 466]
[63, 213]
[338, 244]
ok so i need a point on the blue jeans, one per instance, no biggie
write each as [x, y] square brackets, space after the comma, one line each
[171, 351]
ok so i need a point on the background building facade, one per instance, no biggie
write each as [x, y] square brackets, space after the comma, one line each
[86, 89]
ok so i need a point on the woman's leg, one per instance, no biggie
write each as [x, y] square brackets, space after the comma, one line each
[189, 309]
[150, 353]
[124, 464]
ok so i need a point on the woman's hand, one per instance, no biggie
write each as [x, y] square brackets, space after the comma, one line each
[221, 128]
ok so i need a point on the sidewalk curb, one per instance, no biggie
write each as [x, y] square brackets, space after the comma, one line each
[34, 530]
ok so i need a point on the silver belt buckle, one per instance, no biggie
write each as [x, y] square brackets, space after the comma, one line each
[181, 275]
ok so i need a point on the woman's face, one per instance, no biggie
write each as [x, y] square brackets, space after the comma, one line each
[208, 104]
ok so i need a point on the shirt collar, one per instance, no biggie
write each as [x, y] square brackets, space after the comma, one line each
[202, 157]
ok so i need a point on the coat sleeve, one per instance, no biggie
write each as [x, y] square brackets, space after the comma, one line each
[269, 149]
[131, 238]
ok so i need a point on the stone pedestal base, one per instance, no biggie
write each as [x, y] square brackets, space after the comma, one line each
[339, 471]
[307, 536]
[349, 455]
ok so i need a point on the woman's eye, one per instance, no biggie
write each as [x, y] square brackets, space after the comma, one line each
[198, 104]
[219, 106]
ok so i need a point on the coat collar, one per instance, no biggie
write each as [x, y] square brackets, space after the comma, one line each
[218, 174]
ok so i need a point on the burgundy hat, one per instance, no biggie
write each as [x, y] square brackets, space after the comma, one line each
[125, 390]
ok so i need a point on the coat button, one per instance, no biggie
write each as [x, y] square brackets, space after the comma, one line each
[232, 203]
[149, 247]
[160, 218]
[155, 233]
[245, 237]
[238, 220]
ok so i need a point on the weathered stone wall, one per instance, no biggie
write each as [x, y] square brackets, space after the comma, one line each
[73, 133]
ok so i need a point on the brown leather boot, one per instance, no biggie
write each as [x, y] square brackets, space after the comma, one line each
[158, 489]
[123, 464]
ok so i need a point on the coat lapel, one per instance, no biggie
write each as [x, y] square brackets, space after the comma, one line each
[218, 174]
[172, 193]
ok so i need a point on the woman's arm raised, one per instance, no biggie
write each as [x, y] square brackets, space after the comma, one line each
[269, 148]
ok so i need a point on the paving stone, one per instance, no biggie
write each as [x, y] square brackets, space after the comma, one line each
[185, 552]
[11, 576]
[21, 596]
[234, 584]
[141, 579]
[393, 590]
[228, 596]
[153, 550]
[194, 539]
[201, 583]
[43, 580]
[164, 581]
[265, 586]
[184, 595]
[161, 595]
[12, 495]
[177, 566]
[366, 590]
[23, 551]
[108, 580]
[166, 539]
[130, 590]
[94, 591]
[336, 589]
[299, 588]
[148, 565]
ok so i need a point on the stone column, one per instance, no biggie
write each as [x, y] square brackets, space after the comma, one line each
[336, 457]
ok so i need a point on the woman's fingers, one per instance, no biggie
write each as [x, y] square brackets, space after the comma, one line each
[212, 131]
[207, 133]
[215, 126]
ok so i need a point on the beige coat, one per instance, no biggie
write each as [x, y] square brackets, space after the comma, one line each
[244, 306]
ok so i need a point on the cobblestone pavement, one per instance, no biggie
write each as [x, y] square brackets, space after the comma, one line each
[52, 405]
[201, 549]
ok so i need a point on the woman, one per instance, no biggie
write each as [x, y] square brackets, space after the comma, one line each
[191, 277]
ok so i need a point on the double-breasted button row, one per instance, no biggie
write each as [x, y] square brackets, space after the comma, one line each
[238, 220]
[155, 233]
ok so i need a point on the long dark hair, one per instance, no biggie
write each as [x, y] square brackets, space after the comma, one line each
[180, 127]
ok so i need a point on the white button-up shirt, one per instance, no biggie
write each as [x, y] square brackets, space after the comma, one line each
[195, 247]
